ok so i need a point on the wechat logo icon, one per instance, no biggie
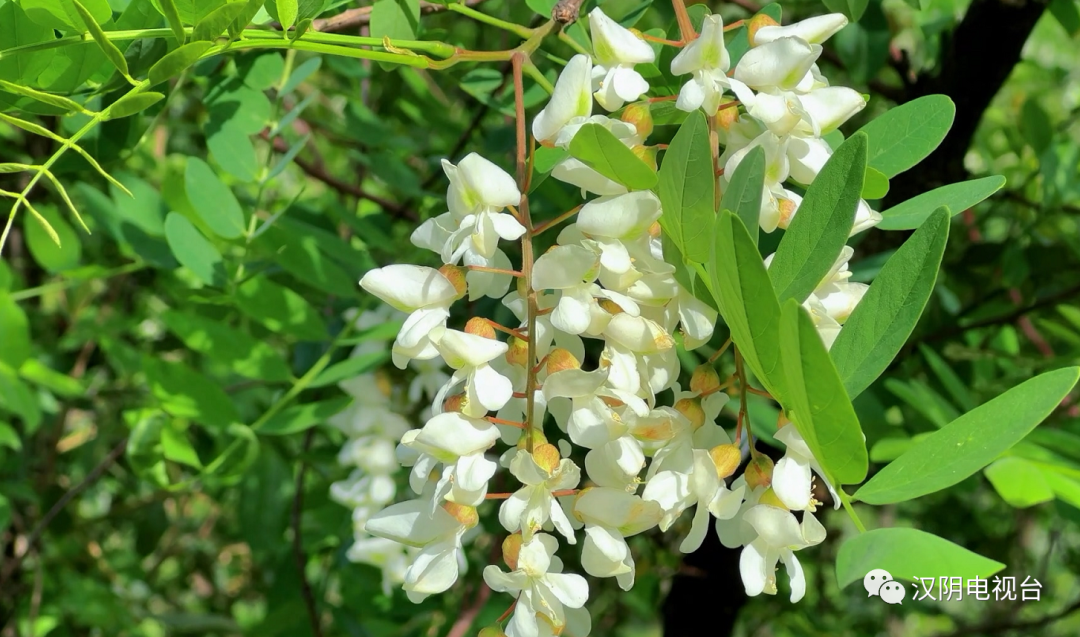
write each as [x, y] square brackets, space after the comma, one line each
[879, 582]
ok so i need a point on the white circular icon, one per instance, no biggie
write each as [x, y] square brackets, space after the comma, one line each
[892, 592]
[874, 579]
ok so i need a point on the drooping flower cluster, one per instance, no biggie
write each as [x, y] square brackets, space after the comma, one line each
[604, 282]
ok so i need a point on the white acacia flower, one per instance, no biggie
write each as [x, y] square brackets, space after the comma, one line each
[469, 355]
[814, 30]
[782, 64]
[699, 484]
[792, 481]
[539, 587]
[779, 535]
[459, 442]
[436, 532]
[707, 58]
[610, 516]
[571, 270]
[572, 98]
[616, 464]
[696, 319]
[388, 555]
[530, 507]
[423, 292]
[617, 50]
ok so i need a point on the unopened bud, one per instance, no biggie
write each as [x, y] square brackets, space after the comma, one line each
[756, 22]
[705, 380]
[491, 631]
[455, 274]
[537, 435]
[462, 513]
[522, 288]
[547, 457]
[691, 408]
[725, 117]
[726, 459]
[770, 498]
[787, 211]
[759, 472]
[454, 403]
[559, 359]
[611, 307]
[511, 548]
[646, 154]
[655, 229]
[480, 327]
[640, 116]
[518, 352]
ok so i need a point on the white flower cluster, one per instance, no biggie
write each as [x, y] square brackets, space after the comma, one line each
[605, 279]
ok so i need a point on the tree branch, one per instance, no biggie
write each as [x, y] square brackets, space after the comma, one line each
[355, 17]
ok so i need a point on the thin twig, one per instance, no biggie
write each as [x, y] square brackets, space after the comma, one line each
[468, 616]
[39, 529]
[355, 17]
[298, 545]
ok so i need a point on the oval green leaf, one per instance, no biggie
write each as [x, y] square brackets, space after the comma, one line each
[193, 250]
[215, 22]
[1019, 482]
[133, 103]
[176, 61]
[875, 184]
[280, 309]
[598, 149]
[972, 441]
[744, 190]
[908, 554]
[958, 197]
[816, 402]
[237, 349]
[822, 224]
[213, 200]
[903, 136]
[687, 188]
[303, 417]
[887, 314]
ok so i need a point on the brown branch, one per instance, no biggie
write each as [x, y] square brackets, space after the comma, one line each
[355, 17]
[39, 529]
[318, 171]
[566, 11]
[298, 544]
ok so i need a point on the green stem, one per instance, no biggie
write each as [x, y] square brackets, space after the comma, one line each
[572, 43]
[538, 77]
[417, 61]
[845, 499]
[523, 32]
[64, 284]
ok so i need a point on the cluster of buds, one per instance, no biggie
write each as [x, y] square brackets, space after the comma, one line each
[604, 280]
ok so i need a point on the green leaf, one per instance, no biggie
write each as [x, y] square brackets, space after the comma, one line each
[924, 400]
[903, 136]
[822, 225]
[280, 309]
[1019, 482]
[744, 190]
[743, 293]
[816, 401]
[395, 19]
[64, 14]
[213, 200]
[853, 9]
[176, 61]
[172, 15]
[215, 22]
[190, 11]
[133, 103]
[185, 393]
[46, 98]
[9, 437]
[43, 247]
[176, 447]
[350, 368]
[36, 372]
[16, 398]
[599, 149]
[241, 352]
[958, 197]
[970, 442]
[303, 417]
[1035, 126]
[301, 73]
[17, 29]
[193, 250]
[286, 13]
[908, 554]
[299, 255]
[14, 333]
[887, 314]
[244, 18]
[687, 190]
[237, 457]
[543, 7]
[875, 184]
[112, 53]
[949, 379]
[1067, 14]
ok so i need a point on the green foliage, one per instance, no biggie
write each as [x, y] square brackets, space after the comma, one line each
[907, 554]
[910, 214]
[687, 190]
[600, 150]
[902, 137]
[743, 193]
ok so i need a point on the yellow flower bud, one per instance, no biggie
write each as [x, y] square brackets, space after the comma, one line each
[546, 456]
[491, 631]
[511, 548]
[454, 403]
[704, 380]
[726, 458]
[655, 229]
[787, 208]
[759, 472]
[560, 359]
[611, 307]
[770, 498]
[518, 352]
[537, 435]
[691, 408]
[756, 22]
[462, 513]
[646, 154]
[640, 116]
[522, 288]
[480, 327]
[456, 276]
[725, 117]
